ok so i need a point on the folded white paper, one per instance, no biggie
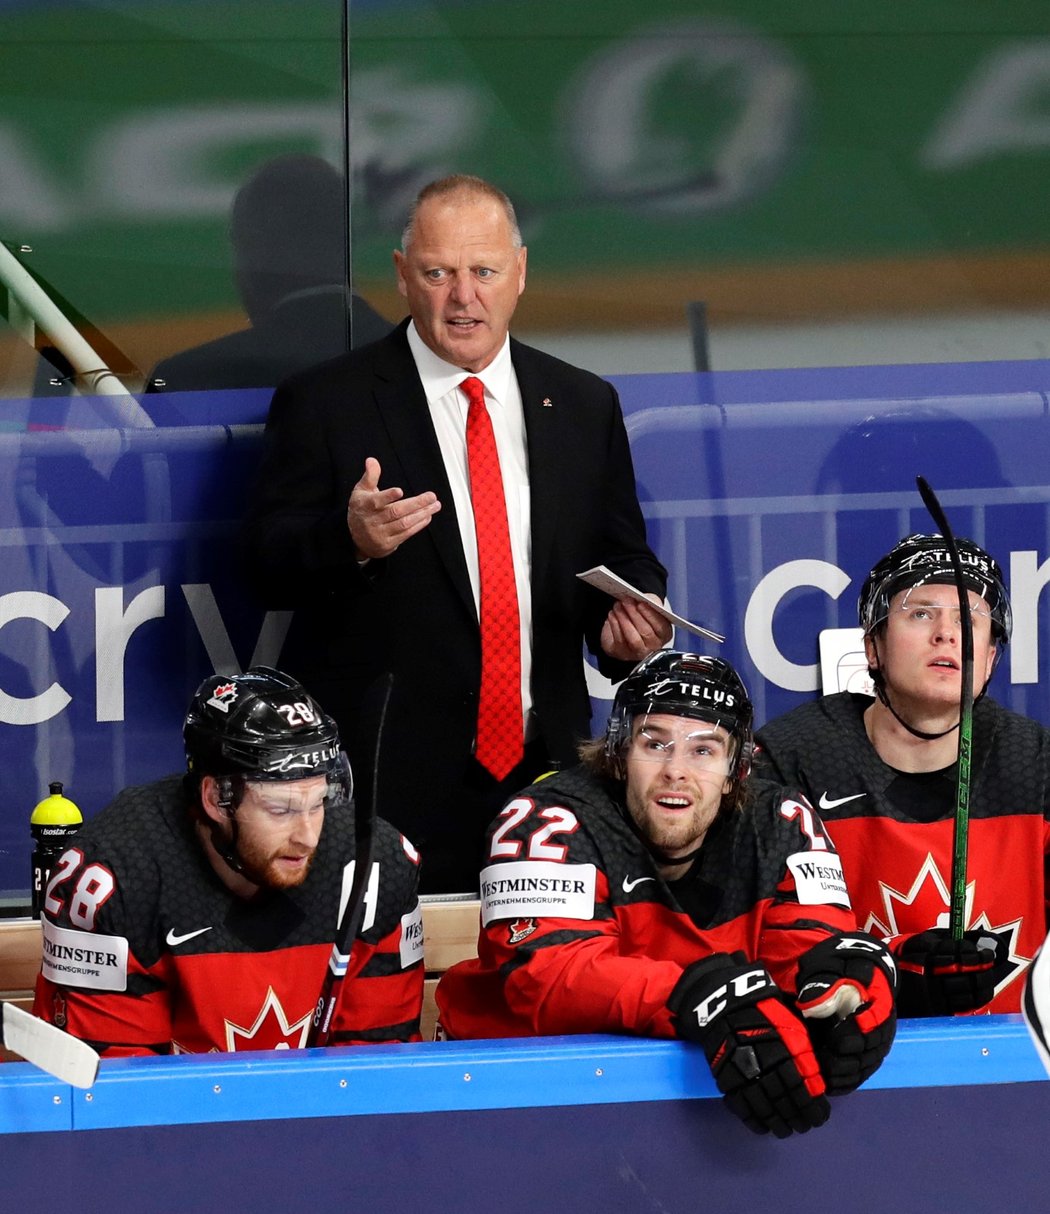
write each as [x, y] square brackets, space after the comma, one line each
[603, 578]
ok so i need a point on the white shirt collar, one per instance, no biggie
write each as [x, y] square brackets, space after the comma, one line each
[440, 377]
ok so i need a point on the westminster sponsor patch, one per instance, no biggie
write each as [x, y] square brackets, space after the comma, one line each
[84, 959]
[524, 888]
[412, 937]
[818, 878]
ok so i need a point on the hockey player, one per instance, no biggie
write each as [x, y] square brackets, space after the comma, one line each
[882, 775]
[655, 889]
[198, 913]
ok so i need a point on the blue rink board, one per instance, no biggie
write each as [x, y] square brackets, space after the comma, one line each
[953, 1121]
[767, 494]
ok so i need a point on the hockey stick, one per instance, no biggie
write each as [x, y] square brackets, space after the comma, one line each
[1035, 1007]
[961, 832]
[47, 1047]
[353, 913]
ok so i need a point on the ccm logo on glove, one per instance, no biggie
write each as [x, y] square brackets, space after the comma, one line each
[743, 984]
[866, 944]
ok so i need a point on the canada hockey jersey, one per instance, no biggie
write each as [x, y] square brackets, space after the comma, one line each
[580, 934]
[146, 950]
[894, 829]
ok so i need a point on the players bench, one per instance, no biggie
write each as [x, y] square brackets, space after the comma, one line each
[450, 934]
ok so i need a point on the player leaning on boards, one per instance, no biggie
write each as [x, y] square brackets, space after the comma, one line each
[198, 913]
[656, 889]
[882, 775]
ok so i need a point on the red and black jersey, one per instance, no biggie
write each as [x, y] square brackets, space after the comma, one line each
[894, 829]
[580, 934]
[146, 950]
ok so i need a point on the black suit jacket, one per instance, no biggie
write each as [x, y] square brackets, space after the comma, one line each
[413, 613]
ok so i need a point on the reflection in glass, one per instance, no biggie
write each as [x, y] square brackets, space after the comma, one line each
[288, 232]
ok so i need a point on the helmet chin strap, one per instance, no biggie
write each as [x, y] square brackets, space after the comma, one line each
[226, 848]
[880, 691]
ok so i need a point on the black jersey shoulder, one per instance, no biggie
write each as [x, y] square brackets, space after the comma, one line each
[808, 726]
[746, 852]
[1010, 768]
[823, 748]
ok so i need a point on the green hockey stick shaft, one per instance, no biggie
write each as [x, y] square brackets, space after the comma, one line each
[961, 831]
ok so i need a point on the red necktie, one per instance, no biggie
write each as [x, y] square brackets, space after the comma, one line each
[499, 745]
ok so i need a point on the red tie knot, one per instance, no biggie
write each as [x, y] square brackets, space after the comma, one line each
[474, 390]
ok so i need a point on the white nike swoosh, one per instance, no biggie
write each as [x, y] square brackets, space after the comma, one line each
[826, 802]
[628, 884]
[173, 941]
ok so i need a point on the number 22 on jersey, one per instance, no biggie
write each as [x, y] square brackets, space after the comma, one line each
[555, 820]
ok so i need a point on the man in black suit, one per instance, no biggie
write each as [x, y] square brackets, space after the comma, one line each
[362, 521]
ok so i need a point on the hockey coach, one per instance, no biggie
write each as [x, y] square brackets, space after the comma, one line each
[656, 889]
[198, 913]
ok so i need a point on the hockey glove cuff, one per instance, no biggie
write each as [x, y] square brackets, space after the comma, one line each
[846, 992]
[758, 1048]
[940, 976]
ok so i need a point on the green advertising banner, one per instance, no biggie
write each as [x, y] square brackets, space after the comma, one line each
[644, 141]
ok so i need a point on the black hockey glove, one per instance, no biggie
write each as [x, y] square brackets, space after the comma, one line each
[758, 1048]
[845, 991]
[940, 976]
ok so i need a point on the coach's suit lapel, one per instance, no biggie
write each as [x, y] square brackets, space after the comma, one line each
[403, 410]
[546, 425]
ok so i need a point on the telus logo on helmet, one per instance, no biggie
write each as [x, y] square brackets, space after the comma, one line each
[308, 759]
[693, 691]
[978, 560]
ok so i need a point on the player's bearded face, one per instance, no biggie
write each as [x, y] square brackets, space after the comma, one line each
[278, 828]
[677, 773]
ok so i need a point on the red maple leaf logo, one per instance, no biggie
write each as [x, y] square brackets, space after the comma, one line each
[271, 1030]
[520, 930]
[927, 904]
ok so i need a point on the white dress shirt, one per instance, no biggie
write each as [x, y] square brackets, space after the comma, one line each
[448, 410]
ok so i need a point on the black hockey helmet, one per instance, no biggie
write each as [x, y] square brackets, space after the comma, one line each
[261, 725]
[685, 685]
[919, 560]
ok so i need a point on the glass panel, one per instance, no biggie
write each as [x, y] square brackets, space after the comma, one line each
[172, 206]
[747, 183]
[178, 171]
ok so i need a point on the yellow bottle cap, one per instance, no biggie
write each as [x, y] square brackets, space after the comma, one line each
[56, 810]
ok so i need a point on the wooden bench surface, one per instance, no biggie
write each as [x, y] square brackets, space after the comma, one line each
[450, 934]
[450, 931]
[19, 955]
